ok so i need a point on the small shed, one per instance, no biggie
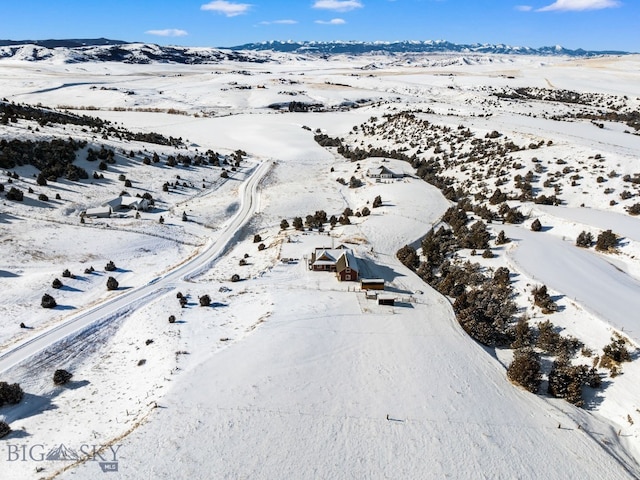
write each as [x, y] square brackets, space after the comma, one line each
[386, 300]
[372, 283]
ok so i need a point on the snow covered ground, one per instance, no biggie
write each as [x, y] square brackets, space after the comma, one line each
[290, 373]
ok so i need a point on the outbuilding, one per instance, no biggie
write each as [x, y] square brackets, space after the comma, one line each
[386, 300]
[372, 283]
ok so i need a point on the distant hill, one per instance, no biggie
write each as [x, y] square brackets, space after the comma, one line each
[68, 43]
[106, 50]
[428, 46]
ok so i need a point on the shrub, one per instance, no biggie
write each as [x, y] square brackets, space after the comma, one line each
[284, 224]
[261, 247]
[377, 202]
[172, 319]
[542, 299]
[205, 301]
[257, 238]
[502, 238]
[634, 209]
[112, 284]
[48, 301]
[235, 277]
[617, 350]
[525, 369]
[183, 301]
[548, 339]
[566, 381]
[497, 197]
[56, 283]
[501, 276]
[584, 240]
[297, 223]
[4, 429]
[513, 215]
[536, 226]
[607, 241]
[43, 198]
[110, 266]
[89, 270]
[66, 273]
[365, 211]
[10, 394]
[60, 377]
[15, 194]
[523, 335]
[408, 256]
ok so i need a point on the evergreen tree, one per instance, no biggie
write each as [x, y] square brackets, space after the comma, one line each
[525, 369]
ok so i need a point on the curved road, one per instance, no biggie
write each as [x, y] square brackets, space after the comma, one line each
[112, 308]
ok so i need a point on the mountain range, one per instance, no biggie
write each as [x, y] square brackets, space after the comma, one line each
[103, 49]
[428, 46]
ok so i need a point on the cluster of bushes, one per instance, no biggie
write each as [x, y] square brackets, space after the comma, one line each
[320, 218]
[483, 303]
[54, 158]
[11, 112]
[565, 380]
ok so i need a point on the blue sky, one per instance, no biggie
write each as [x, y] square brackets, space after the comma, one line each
[589, 24]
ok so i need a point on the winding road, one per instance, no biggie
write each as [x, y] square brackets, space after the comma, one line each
[114, 307]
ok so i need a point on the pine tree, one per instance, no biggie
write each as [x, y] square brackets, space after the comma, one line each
[525, 369]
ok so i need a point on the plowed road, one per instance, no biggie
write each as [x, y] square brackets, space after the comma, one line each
[112, 308]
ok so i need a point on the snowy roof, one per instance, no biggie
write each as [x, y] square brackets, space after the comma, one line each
[347, 260]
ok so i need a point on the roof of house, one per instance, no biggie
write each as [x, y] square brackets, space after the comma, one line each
[380, 170]
[347, 260]
[326, 256]
[106, 210]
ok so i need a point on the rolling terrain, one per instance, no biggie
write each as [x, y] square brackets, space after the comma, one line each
[289, 372]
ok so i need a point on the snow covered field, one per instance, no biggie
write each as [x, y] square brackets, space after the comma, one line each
[290, 373]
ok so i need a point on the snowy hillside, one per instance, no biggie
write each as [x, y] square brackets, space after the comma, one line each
[137, 53]
[221, 353]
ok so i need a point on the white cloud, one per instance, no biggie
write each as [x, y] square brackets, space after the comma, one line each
[229, 9]
[168, 32]
[524, 8]
[280, 22]
[333, 21]
[338, 5]
[579, 5]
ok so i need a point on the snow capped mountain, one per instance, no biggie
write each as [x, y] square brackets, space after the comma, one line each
[427, 46]
[104, 50]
